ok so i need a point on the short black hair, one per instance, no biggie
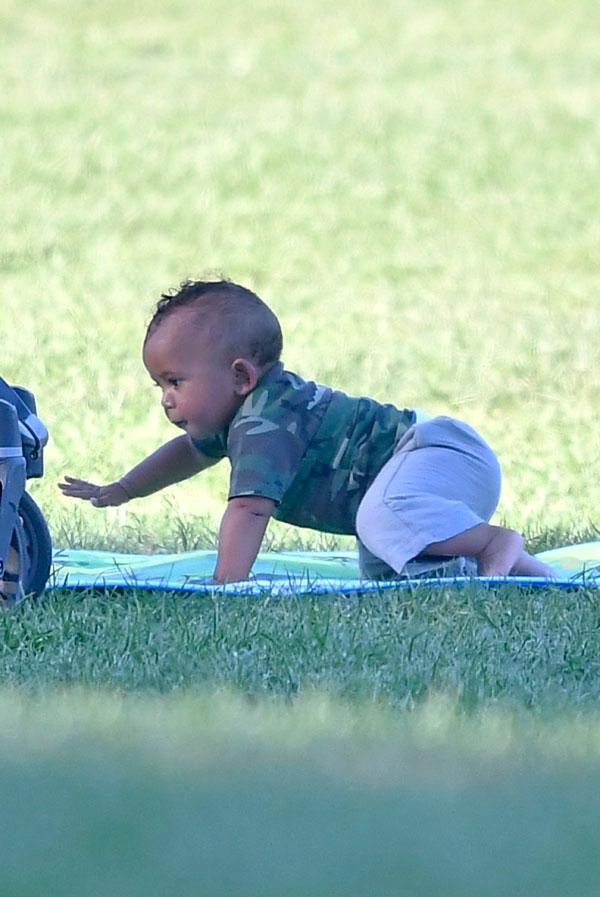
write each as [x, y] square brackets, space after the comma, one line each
[240, 322]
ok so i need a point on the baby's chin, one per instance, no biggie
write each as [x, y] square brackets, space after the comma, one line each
[205, 430]
[195, 432]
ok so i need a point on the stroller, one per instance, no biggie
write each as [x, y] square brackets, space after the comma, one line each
[25, 544]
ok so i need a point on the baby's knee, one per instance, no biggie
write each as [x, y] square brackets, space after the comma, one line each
[504, 534]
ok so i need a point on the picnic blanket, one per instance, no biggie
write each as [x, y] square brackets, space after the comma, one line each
[292, 572]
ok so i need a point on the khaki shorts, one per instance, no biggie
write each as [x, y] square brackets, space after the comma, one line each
[442, 479]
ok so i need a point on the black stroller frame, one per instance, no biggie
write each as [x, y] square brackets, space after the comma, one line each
[25, 545]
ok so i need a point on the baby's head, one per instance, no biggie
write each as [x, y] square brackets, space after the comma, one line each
[206, 346]
[229, 318]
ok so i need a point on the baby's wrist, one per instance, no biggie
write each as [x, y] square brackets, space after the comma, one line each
[127, 488]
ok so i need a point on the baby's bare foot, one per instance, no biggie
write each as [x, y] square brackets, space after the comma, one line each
[527, 565]
[501, 553]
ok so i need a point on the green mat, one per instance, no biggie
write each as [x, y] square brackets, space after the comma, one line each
[290, 572]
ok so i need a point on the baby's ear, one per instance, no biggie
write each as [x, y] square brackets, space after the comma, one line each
[245, 376]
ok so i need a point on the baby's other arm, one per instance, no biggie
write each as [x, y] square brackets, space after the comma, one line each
[240, 536]
[174, 461]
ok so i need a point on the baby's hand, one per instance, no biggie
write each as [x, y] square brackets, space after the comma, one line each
[100, 496]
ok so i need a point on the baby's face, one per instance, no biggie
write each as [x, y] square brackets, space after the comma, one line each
[200, 392]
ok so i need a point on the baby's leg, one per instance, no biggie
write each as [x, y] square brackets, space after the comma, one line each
[495, 549]
[443, 478]
[498, 551]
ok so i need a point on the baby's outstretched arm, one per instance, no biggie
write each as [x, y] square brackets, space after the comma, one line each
[175, 461]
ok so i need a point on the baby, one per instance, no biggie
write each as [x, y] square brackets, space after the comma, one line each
[405, 484]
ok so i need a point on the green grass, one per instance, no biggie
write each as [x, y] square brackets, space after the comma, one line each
[425, 743]
[412, 187]
[199, 794]
[530, 650]
[424, 174]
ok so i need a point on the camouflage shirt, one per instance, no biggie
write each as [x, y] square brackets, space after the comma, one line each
[311, 449]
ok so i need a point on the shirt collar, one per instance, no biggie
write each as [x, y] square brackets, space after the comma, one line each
[271, 375]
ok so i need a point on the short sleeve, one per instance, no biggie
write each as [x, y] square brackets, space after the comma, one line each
[265, 455]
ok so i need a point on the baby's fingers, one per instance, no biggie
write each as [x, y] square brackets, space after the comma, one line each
[75, 488]
[100, 496]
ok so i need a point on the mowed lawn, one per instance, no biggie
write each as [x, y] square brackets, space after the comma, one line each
[413, 187]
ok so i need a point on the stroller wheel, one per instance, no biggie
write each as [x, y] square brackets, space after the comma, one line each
[29, 557]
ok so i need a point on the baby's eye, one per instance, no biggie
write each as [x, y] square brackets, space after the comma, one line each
[173, 381]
